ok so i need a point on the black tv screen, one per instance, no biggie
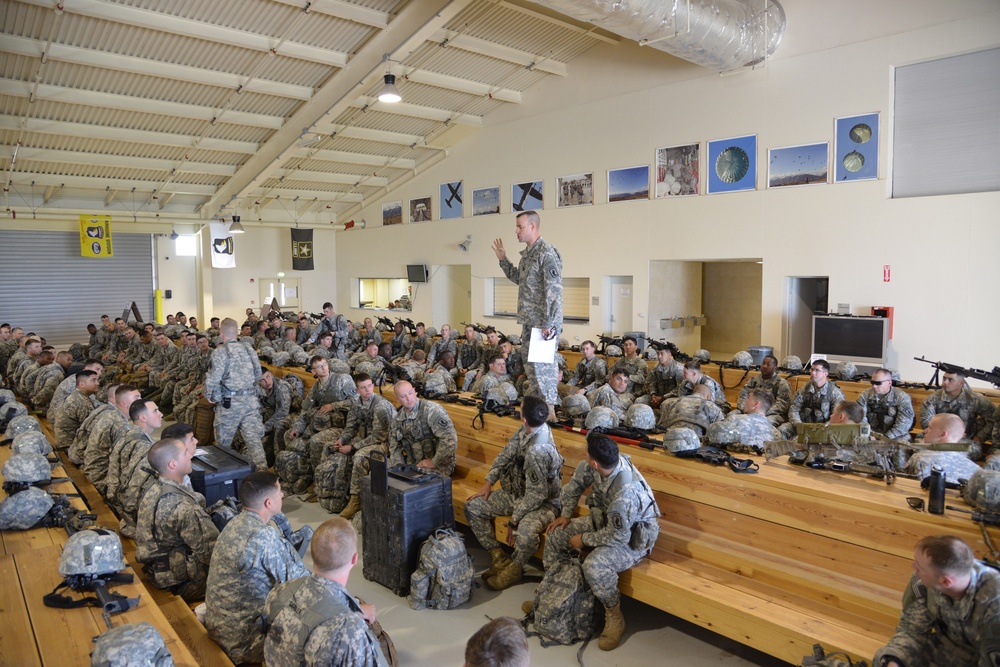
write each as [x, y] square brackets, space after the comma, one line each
[851, 338]
[416, 273]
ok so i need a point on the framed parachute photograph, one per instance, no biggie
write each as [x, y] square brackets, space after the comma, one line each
[808, 164]
[856, 148]
[486, 201]
[732, 164]
[628, 183]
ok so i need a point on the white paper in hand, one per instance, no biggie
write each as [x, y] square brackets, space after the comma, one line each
[541, 351]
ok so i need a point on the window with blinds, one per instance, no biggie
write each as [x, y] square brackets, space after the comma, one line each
[576, 299]
[946, 137]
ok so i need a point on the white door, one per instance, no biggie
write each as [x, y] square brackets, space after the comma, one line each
[803, 296]
[288, 292]
[618, 304]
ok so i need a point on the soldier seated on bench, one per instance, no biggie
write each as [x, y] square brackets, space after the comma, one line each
[422, 433]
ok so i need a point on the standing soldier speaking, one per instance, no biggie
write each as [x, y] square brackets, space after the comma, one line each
[539, 299]
[231, 386]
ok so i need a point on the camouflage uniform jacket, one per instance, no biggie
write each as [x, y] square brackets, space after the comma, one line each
[46, 384]
[469, 355]
[814, 406]
[616, 503]
[353, 341]
[996, 427]
[7, 350]
[357, 358]
[128, 452]
[304, 334]
[636, 368]
[174, 534]
[539, 285]
[777, 386]
[102, 341]
[164, 356]
[529, 468]
[425, 433]
[491, 380]
[338, 390]
[487, 352]
[444, 378]
[338, 326]
[401, 344]
[718, 395]
[691, 412]
[441, 346]
[112, 425]
[341, 639]
[250, 558]
[275, 404]
[607, 397]
[16, 362]
[368, 424]
[235, 367]
[59, 396]
[590, 374]
[419, 343]
[754, 429]
[26, 383]
[664, 379]
[515, 363]
[891, 415]
[74, 410]
[372, 335]
[974, 409]
[964, 630]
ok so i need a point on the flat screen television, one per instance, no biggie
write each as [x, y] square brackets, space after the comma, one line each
[863, 340]
[416, 273]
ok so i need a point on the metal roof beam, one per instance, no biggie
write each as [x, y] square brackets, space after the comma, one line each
[100, 185]
[418, 111]
[345, 10]
[383, 136]
[356, 158]
[288, 194]
[449, 82]
[454, 39]
[329, 177]
[87, 131]
[122, 161]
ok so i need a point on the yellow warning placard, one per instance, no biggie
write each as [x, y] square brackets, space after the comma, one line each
[95, 236]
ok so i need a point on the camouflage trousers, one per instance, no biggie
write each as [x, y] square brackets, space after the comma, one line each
[543, 379]
[242, 416]
[481, 512]
[363, 465]
[602, 564]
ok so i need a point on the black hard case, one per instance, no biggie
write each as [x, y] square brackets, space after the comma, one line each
[397, 517]
[217, 473]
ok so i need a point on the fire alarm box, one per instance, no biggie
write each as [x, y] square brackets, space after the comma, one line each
[886, 312]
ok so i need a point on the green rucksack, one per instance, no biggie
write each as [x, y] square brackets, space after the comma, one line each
[564, 605]
[443, 578]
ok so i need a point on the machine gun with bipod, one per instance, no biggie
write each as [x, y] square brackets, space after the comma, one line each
[993, 377]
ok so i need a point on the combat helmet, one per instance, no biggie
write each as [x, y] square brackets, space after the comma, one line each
[680, 440]
[431, 332]
[31, 442]
[131, 644]
[613, 351]
[514, 339]
[847, 371]
[640, 416]
[23, 510]
[722, 433]
[742, 359]
[502, 394]
[9, 411]
[22, 470]
[702, 355]
[91, 554]
[22, 424]
[650, 353]
[281, 359]
[339, 366]
[575, 405]
[300, 358]
[435, 383]
[7, 396]
[792, 363]
[601, 417]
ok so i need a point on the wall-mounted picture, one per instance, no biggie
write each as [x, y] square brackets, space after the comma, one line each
[526, 196]
[451, 200]
[732, 164]
[808, 164]
[628, 184]
[420, 209]
[486, 201]
[678, 171]
[856, 148]
[392, 213]
[575, 190]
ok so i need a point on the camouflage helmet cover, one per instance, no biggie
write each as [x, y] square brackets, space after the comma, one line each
[27, 468]
[743, 359]
[702, 355]
[31, 441]
[22, 423]
[131, 644]
[846, 370]
[792, 363]
[640, 416]
[575, 405]
[339, 366]
[601, 417]
[92, 552]
[23, 510]
[613, 351]
[680, 440]
[722, 433]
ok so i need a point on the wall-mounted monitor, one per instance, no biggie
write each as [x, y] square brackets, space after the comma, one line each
[863, 340]
[416, 273]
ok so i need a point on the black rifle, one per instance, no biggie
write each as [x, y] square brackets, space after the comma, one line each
[993, 377]
[667, 345]
[629, 433]
[408, 323]
[979, 516]
[386, 321]
[604, 341]
[720, 457]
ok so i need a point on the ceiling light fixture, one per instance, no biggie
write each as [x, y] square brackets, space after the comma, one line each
[389, 94]
[236, 227]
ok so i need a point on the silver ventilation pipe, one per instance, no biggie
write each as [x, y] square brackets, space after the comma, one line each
[722, 35]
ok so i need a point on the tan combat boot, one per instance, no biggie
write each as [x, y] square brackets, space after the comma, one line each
[506, 577]
[353, 507]
[614, 627]
[499, 561]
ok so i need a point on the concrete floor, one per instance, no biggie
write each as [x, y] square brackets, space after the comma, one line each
[431, 637]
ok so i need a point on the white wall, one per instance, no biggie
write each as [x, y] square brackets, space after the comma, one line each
[620, 103]
[175, 273]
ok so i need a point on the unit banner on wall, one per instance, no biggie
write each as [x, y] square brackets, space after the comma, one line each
[95, 236]
[302, 249]
[223, 250]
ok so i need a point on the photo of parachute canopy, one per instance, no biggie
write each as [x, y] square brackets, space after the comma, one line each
[732, 164]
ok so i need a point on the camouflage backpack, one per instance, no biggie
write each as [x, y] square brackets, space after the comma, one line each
[564, 605]
[333, 481]
[444, 575]
[131, 645]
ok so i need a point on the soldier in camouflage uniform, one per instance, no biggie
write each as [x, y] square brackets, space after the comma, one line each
[614, 394]
[422, 433]
[634, 365]
[27, 384]
[22, 360]
[48, 381]
[777, 386]
[495, 375]
[751, 420]
[111, 426]
[444, 344]
[814, 403]
[665, 377]
[337, 324]
[324, 346]
[888, 409]
[539, 299]
[165, 355]
[304, 332]
[175, 536]
[590, 372]
[515, 362]
[400, 342]
[421, 341]
[326, 404]
[337, 631]
[128, 452]
[250, 558]
[529, 470]
[695, 411]
[440, 378]
[368, 424]
[694, 377]
[67, 387]
[620, 529]
[955, 396]
[275, 398]
[233, 380]
[369, 354]
[76, 408]
[469, 355]
[951, 609]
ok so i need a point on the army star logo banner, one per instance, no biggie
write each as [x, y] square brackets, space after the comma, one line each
[95, 236]
[302, 250]
[223, 250]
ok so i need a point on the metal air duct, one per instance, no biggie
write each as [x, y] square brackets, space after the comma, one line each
[722, 35]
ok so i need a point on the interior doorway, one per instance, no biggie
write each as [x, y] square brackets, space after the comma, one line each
[804, 295]
[617, 304]
[288, 292]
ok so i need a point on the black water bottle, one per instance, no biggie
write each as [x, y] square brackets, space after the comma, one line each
[935, 501]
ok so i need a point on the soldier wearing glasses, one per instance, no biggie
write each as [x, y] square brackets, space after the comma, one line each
[888, 409]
